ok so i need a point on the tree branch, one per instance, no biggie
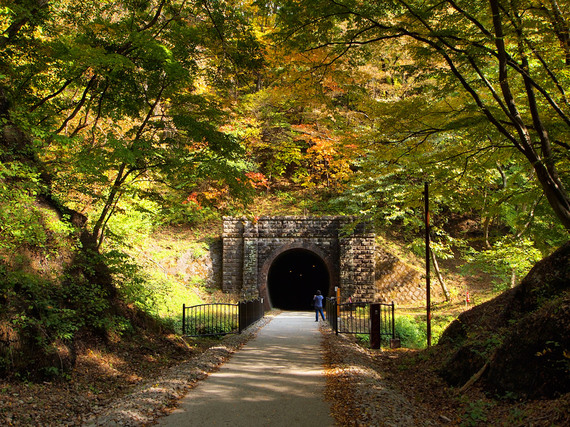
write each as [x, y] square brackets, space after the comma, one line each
[154, 20]
[50, 96]
[79, 105]
[12, 31]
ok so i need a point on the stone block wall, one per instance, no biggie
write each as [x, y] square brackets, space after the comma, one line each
[357, 268]
[363, 271]
[397, 281]
[232, 264]
[249, 248]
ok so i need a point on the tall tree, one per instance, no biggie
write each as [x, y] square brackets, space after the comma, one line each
[103, 94]
[509, 58]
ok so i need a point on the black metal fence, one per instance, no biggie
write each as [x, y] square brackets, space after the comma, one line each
[249, 312]
[220, 319]
[362, 318]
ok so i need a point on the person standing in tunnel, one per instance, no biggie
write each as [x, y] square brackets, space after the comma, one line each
[318, 303]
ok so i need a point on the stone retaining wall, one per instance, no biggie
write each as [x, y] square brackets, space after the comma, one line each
[363, 271]
[396, 281]
[250, 247]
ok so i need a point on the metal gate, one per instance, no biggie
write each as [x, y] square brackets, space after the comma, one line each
[374, 319]
[220, 319]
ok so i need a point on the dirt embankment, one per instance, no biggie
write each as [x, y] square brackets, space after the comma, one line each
[517, 344]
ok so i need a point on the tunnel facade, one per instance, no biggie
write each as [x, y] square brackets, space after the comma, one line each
[286, 259]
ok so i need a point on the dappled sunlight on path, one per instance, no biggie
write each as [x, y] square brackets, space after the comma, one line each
[276, 379]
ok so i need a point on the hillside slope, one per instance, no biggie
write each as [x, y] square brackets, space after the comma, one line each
[518, 343]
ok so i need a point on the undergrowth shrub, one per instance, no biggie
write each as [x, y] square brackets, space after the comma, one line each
[506, 262]
[44, 316]
[48, 294]
[159, 295]
[409, 331]
[412, 330]
[217, 328]
[136, 251]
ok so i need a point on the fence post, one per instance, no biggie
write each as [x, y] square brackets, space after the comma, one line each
[240, 316]
[394, 342]
[337, 291]
[183, 319]
[334, 314]
[375, 325]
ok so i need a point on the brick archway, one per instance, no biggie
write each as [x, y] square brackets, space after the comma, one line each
[345, 245]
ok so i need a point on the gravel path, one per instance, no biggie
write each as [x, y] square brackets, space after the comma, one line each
[356, 393]
[154, 399]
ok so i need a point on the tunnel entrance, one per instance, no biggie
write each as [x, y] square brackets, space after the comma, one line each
[294, 277]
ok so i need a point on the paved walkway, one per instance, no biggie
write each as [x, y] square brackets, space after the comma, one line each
[276, 379]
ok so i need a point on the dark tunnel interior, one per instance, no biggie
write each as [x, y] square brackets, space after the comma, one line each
[294, 278]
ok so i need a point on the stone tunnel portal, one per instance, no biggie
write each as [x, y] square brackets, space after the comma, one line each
[341, 250]
[294, 277]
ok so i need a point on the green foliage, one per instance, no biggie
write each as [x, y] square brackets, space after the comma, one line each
[89, 300]
[109, 104]
[438, 324]
[153, 292]
[517, 415]
[25, 223]
[363, 339]
[506, 261]
[421, 115]
[475, 413]
[49, 291]
[49, 312]
[412, 332]
[139, 260]
[209, 327]
[408, 330]
[103, 108]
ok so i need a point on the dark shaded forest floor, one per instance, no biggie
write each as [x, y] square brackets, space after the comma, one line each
[413, 374]
[104, 372]
[401, 387]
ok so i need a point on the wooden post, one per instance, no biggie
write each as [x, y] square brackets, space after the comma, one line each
[183, 319]
[375, 325]
[337, 289]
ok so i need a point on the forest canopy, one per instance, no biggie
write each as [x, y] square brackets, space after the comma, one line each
[201, 101]
[489, 79]
[121, 115]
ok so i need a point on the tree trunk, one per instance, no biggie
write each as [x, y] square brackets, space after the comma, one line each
[542, 162]
[486, 226]
[555, 194]
[439, 276]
